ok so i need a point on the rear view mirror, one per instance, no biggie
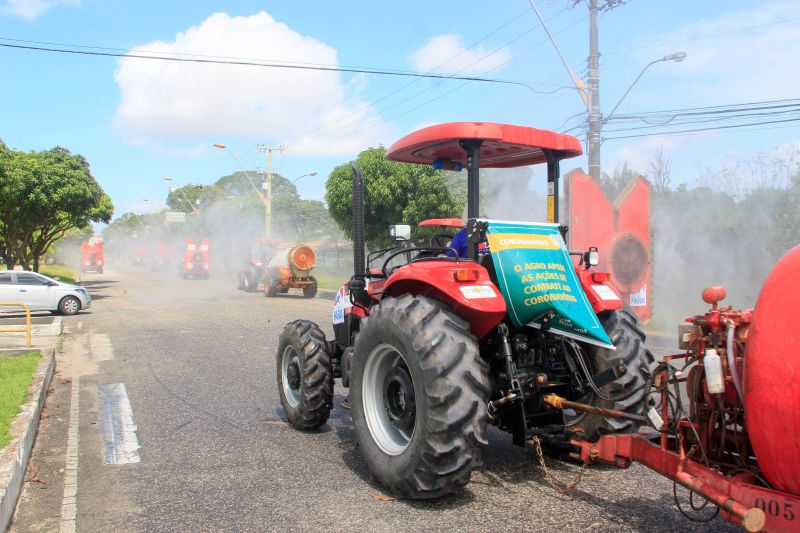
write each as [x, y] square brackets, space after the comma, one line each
[400, 232]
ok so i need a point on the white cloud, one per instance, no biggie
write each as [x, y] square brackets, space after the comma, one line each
[735, 65]
[30, 9]
[446, 54]
[185, 102]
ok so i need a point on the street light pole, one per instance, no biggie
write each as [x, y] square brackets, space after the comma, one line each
[264, 200]
[595, 118]
[268, 181]
[312, 173]
[183, 193]
[677, 57]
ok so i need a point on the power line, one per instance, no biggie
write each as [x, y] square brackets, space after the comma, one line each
[708, 111]
[375, 124]
[174, 53]
[409, 84]
[724, 106]
[291, 66]
[712, 128]
[710, 120]
[700, 37]
[716, 115]
[325, 134]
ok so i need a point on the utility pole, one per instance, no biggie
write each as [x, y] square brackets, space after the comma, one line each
[595, 117]
[268, 186]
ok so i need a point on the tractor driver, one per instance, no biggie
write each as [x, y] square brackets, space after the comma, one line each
[459, 244]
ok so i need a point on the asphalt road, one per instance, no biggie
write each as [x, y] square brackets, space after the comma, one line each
[197, 359]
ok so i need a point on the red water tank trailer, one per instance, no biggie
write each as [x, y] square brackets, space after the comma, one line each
[196, 259]
[620, 231]
[166, 255]
[92, 256]
[772, 376]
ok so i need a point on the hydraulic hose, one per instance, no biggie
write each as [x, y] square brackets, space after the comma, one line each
[732, 361]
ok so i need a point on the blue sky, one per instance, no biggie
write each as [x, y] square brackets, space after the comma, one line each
[138, 121]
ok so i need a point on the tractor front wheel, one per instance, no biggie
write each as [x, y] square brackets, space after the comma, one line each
[627, 392]
[269, 289]
[305, 375]
[418, 391]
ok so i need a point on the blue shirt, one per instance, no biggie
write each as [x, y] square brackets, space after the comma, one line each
[460, 244]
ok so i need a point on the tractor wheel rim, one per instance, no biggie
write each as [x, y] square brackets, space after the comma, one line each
[290, 374]
[71, 306]
[389, 401]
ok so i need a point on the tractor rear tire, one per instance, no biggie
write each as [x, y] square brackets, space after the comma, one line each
[419, 391]
[621, 327]
[311, 290]
[240, 281]
[305, 374]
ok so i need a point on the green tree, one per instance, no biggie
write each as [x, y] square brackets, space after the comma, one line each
[395, 193]
[43, 195]
[612, 184]
[192, 196]
[238, 184]
[304, 220]
[5, 159]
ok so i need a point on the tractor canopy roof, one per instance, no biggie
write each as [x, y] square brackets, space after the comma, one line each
[442, 223]
[504, 145]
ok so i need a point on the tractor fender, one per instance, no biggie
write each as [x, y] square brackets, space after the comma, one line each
[464, 285]
[602, 296]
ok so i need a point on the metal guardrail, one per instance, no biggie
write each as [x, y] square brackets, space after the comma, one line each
[26, 328]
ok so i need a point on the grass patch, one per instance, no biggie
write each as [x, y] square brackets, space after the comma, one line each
[16, 374]
[332, 282]
[67, 275]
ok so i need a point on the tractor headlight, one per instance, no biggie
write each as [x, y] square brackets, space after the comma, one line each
[593, 256]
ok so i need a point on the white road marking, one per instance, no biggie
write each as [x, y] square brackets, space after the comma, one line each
[101, 348]
[69, 501]
[117, 428]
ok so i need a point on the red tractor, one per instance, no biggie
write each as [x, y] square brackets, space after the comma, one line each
[262, 250]
[437, 348]
[196, 260]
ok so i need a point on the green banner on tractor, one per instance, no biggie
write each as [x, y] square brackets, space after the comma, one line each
[539, 283]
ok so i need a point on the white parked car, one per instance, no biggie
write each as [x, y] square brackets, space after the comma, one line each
[41, 293]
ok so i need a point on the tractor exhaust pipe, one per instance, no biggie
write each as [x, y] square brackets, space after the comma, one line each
[359, 266]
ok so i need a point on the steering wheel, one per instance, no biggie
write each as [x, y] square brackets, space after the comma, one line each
[441, 240]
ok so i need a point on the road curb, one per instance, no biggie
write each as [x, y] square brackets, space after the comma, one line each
[14, 457]
[51, 327]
